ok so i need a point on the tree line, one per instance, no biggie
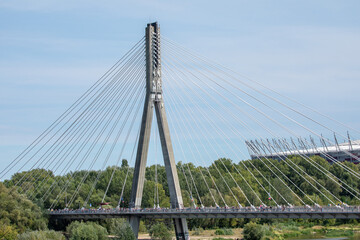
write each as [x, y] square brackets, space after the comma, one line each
[250, 182]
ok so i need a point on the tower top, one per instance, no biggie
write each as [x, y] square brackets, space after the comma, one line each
[155, 25]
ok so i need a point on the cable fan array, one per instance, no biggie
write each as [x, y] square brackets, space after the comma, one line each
[223, 110]
[214, 116]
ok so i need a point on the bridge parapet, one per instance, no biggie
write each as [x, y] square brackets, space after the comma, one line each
[351, 212]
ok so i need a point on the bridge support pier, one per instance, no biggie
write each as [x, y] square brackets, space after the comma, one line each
[181, 229]
[134, 223]
[154, 101]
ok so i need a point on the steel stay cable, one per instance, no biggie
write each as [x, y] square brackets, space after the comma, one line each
[211, 177]
[82, 134]
[156, 193]
[78, 122]
[190, 193]
[131, 108]
[255, 109]
[98, 123]
[128, 168]
[191, 151]
[198, 108]
[280, 171]
[312, 162]
[84, 158]
[104, 165]
[196, 189]
[225, 141]
[97, 126]
[215, 164]
[118, 161]
[63, 115]
[70, 127]
[155, 175]
[235, 128]
[121, 153]
[335, 161]
[98, 153]
[157, 186]
[224, 181]
[260, 159]
[219, 66]
[103, 129]
[299, 124]
[87, 173]
[65, 125]
[191, 176]
[220, 134]
[181, 167]
[191, 116]
[155, 49]
[350, 154]
[91, 114]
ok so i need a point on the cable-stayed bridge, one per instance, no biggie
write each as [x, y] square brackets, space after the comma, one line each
[206, 117]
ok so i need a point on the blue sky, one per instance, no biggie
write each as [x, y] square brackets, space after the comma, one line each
[52, 51]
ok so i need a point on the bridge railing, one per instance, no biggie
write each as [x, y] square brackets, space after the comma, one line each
[335, 209]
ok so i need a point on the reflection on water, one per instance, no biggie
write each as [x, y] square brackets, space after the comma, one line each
[317, 237]
[339, 238]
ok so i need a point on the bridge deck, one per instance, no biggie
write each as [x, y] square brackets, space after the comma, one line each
[297, 212]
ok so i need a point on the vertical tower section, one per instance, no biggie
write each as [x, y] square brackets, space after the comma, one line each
[145, 129]
[154, 100]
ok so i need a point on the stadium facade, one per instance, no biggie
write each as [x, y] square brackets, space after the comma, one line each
[279, 149]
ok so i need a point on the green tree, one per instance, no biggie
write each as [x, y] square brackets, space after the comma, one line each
[86, 231]
[18, 212]
[41, 235]
[7, 232]
[160, 231]
[122, 230]
[253, 231]
[124, 163]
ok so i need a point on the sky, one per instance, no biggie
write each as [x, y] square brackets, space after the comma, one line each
[52, 51]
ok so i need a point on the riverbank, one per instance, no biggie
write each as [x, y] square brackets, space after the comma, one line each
[284, 232]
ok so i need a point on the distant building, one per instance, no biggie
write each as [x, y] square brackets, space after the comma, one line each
[279, 149]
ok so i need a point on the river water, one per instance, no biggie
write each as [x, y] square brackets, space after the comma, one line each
[319, 237]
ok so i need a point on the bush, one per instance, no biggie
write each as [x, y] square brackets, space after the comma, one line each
[160, 231]
[41, 235]
[228, 231]
[142, 227]
[253, 231]
[7, 232]
[123, 231]
[224, 231]
[219, 232]
[198, 231]
[86, 231]
[19, 213]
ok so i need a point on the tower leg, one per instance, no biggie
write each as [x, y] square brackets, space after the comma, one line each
[181, 229]
[141, 156]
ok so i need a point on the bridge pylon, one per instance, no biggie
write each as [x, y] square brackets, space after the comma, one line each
[154, 101]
